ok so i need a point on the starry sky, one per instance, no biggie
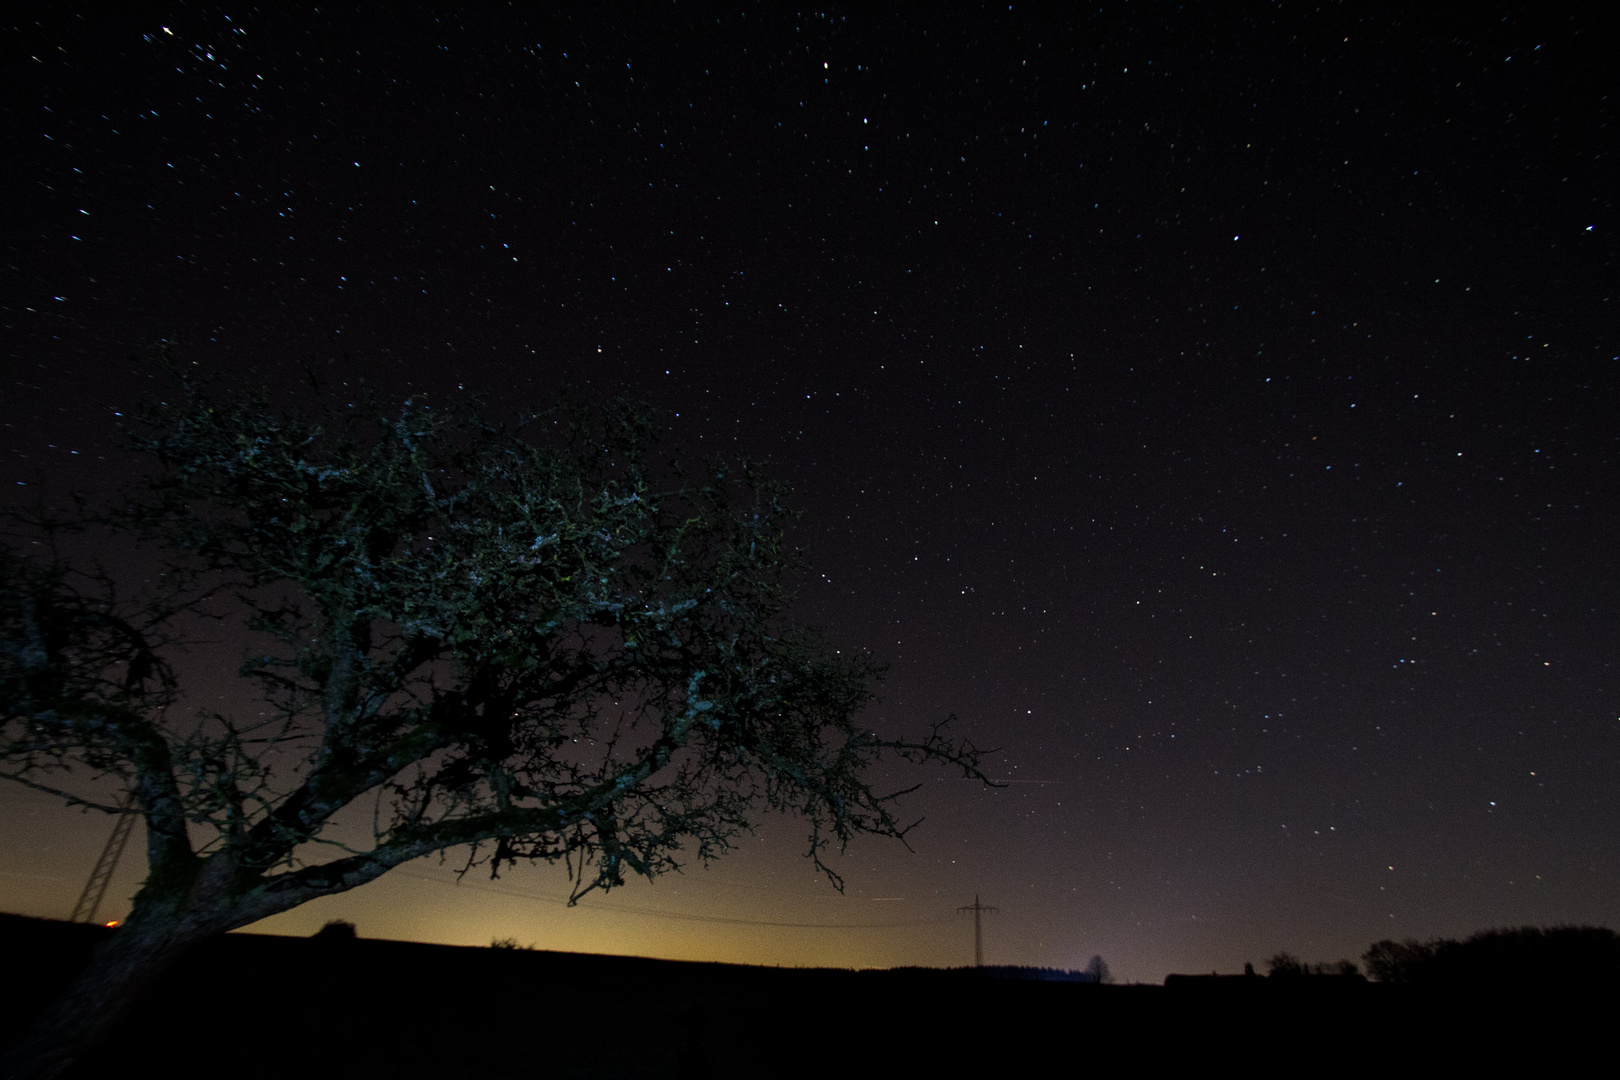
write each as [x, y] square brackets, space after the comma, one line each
[1212, 408]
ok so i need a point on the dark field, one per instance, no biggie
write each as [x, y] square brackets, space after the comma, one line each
[248, 1006]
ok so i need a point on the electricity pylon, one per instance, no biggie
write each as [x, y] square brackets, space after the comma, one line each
[96, 888]
[978, 934]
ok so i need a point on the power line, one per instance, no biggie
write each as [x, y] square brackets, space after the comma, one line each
[627, 909]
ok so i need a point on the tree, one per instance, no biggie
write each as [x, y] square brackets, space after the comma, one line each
[1285, 965]
[1098, 971]
[1390, 961]
[1570, 957]
[527, 641]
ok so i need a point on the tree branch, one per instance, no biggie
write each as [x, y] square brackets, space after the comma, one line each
[63, 794]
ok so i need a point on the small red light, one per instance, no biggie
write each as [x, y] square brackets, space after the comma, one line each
[113, 923]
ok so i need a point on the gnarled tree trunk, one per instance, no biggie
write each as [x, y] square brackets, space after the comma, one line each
[130, 960]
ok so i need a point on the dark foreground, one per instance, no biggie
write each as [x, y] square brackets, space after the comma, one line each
[248, 1006]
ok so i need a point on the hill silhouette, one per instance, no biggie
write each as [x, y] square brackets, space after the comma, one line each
[253, 1006]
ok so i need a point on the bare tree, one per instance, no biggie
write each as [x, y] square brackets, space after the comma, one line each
[1286, 965]
[519, 642]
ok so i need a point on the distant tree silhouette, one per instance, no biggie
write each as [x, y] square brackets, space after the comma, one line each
[1097, 969]
[526, 642]
[1285, 965]
[337, 930]
[1401, 961]
[1020, 971]
[1572, 956]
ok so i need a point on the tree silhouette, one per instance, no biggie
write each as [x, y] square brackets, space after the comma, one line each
[1286, 965]
[527, 642]
[1526, 956]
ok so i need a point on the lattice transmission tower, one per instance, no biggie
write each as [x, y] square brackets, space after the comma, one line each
[978, 909]
[96, 888]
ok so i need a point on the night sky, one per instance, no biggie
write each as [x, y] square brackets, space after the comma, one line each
[1214, 409]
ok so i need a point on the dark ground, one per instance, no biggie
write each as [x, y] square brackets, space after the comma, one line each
[248, 1006]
